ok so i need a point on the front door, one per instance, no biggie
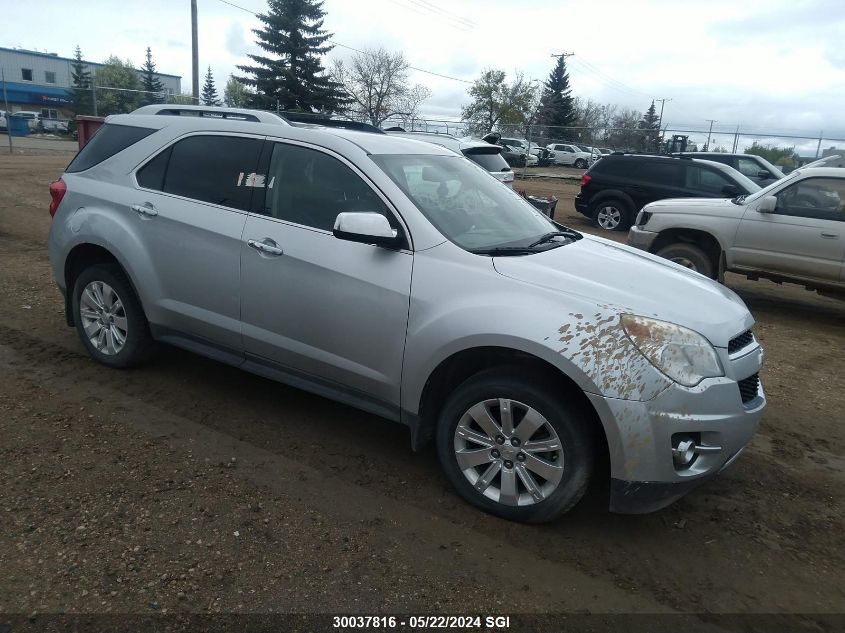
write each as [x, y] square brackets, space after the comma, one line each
[325, 310]
[804, 236]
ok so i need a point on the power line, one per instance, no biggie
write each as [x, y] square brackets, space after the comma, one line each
[352, 48]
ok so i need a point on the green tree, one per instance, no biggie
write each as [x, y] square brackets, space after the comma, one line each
[557, 107]
[209, 91]
[81, 97]
[781, 156]
[154, 90]
[496, 103]
[235, 94]
[650, 126]
[118, 87]
[292, 74]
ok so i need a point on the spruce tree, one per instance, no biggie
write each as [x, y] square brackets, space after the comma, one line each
[557, 107]
[209, 91]
[82, 99]
[292, 73]
[651, 129]
[150, 83]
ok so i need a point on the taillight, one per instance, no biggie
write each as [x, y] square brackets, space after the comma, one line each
[58, 188]
[585, 179]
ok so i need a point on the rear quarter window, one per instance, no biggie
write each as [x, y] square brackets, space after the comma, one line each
[109, 140]
[489, 162]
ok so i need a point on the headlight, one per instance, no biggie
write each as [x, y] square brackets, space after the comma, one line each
[683, 355]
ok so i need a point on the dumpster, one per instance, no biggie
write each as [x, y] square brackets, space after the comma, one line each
[86, 126]
[18, 126]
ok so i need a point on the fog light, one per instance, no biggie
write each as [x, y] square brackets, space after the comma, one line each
[683, 453]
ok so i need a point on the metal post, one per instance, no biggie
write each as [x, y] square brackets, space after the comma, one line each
[707, 144]
[8, 112]
[195, 56]
[736, 140]
[94, 91]
[818, 147]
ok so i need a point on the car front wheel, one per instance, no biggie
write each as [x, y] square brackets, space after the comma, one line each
[511, 445]
[689, 256]
[581, 163]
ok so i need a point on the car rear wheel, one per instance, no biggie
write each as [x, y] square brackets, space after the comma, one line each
[511, 445]
[109, 318]
[581, 163]
[612, 215]
[689, 256]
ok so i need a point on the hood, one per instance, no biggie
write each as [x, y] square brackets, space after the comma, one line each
[698, 206]
[629, 280]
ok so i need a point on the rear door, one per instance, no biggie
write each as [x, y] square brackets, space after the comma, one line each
[317, 308]
[654, 179]
[805, 236]
[190, 211]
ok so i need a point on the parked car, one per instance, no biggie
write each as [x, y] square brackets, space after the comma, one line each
[753, 167]
[3, 124]
[514, 156]
[615, 188]
[568, 154]
[38, 123]
[528, 352]
[790, 231]
[488, 157]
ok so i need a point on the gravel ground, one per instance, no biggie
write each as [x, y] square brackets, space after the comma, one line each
[188, 487]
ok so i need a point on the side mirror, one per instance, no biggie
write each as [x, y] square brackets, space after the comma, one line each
[763, 175]
[366, 228]
[730, 190]
[767, 204]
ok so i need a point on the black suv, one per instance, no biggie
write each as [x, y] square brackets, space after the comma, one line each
[615, 188]
[756, 168]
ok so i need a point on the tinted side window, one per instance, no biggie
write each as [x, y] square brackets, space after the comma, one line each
[108, 141]
[705, 179]
[214, 169]
[490, 162]
[310, 188]
[658, 171]
[614, 167]
[749, 167]
[151, 175]
[820, 198]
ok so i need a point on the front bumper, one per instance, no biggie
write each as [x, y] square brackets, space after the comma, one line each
[638, 237]
[641, 435]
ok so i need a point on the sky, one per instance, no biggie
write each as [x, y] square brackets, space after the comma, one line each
[769, 66]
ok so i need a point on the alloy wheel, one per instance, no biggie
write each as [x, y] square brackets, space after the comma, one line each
[686, 263]
[609, 217]
[509, 452]
[103, 318]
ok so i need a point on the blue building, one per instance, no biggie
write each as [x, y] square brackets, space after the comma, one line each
[40, 82]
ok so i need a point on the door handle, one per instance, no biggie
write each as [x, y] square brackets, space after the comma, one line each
[144, 209]
[830, 234]
[267, 246]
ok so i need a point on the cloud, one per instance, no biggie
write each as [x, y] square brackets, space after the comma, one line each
[236, 42]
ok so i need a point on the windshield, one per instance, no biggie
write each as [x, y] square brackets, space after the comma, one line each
[765, 190]
[464, 203]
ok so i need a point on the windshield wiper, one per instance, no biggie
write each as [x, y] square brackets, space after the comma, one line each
[504, 250]
[739, 199]
[548, 237]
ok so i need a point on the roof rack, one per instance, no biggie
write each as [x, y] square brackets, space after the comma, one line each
[212, 112]
[306, 118]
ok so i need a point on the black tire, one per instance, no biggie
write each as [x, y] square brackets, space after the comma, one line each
[581, 163]
[689, 256]
[612, 214]
[573, 428]
[138, 342]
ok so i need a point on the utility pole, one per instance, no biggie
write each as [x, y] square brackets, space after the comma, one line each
[8, 113]
[818, 147]
[662, 103]
[195, 61]
[707, 144]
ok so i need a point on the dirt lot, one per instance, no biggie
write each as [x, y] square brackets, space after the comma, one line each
[188, 486]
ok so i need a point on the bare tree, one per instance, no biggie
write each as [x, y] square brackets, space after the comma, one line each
[376, 81]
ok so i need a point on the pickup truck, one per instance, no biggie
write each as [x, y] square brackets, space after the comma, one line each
[791, 231]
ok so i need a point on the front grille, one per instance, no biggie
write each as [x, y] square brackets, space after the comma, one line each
[748, 388]
[738, 342]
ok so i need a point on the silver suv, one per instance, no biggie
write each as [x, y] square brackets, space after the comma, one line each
[793, 231]
[395, 276]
